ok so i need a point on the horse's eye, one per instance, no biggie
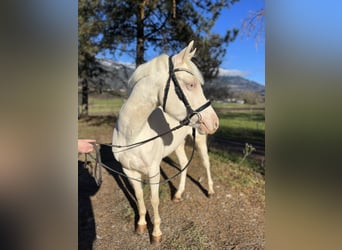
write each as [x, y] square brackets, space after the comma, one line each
[191, 86]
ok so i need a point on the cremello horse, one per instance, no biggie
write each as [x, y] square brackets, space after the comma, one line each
[176, 84]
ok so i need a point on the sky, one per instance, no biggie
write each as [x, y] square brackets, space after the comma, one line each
[245, 56]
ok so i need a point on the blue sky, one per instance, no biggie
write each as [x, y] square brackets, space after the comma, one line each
[244, 56]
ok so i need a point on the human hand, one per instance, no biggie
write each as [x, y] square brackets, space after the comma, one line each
[84, 145]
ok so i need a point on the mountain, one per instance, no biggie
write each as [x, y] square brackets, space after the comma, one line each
[237, 84]
[112, 75]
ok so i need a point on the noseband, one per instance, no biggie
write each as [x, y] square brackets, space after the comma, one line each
[190, 112]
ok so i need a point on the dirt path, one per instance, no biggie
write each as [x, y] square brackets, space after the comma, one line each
[232, 219]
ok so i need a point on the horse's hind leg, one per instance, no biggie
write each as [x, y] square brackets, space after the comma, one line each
[201, 142]
[134, 178]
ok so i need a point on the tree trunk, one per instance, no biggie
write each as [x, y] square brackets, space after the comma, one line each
[84, 110]
[140, 35]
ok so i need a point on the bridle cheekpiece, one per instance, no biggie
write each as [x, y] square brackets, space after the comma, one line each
[181, 96]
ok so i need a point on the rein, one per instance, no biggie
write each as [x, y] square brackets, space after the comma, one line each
[184, 122]
[99, 161]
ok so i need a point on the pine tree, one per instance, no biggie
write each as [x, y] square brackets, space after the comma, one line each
[89, 27]
[166, 26]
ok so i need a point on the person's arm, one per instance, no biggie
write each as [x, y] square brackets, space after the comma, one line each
[84, 146]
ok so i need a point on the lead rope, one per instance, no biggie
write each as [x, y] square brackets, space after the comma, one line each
[98, 161]
[136, 144]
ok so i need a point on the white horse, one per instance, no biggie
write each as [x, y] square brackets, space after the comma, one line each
[176, 84]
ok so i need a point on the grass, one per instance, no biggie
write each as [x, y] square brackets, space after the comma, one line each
[240, 177]
[98, 106]
[248, 125]
[244, 119]
[224, 156]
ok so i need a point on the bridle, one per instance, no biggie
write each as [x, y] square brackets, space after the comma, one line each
[186, 121]
[190, 112]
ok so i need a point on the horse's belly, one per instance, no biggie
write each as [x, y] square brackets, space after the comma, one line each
[142, 158]
[133, 162]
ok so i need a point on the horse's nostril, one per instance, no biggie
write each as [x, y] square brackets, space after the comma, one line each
[216, 125]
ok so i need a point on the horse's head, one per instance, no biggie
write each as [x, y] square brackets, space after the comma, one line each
[184, 88]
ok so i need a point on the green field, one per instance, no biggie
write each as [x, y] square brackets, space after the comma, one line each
[236, 120]
[248, 123]
[104, 106]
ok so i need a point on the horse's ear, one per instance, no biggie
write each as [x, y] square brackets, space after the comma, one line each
[185, 54]
[189, 48]
[192, 53]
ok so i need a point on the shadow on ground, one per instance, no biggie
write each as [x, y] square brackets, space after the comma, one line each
[123, 182]
[87, 187]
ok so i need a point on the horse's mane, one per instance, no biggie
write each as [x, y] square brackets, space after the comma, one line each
[159, 65]
[156, 65]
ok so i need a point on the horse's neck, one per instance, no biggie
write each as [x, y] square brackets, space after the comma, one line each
[135, 112]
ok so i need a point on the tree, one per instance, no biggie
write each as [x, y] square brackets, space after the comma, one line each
[134, 25]
[166, 26]
[250, 97]
[194, 22]
[211, 53]
[217, 93]
[89, 27]
[254, 25]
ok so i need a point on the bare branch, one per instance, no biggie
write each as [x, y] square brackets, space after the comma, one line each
[254, 25]
[157, 29]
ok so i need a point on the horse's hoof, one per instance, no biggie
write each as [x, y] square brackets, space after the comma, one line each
[141, 229]
[156, 240]
[177, 199]
[210, 195]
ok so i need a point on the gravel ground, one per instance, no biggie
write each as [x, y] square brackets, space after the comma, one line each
[233, 218]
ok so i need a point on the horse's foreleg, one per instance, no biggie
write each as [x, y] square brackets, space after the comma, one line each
[201, 142]
[183, 160]
[142, 225]
[154, 180]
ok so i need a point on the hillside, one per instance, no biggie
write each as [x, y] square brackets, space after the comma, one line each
[237, 84]
[111, 75]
